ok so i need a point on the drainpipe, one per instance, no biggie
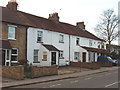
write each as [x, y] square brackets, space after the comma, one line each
[69, 49]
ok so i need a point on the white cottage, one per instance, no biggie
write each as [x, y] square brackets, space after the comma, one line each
[52, 42]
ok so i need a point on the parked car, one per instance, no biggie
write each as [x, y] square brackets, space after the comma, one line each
[107, 59]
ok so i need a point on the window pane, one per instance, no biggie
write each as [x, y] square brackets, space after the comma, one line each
[39, 36]
[35, 58]
[11, 29]
[13, 58]
[11, 35]
[35, 52]
[35, 55]
[61, 38]
[11, 32]
[39, 39]
[14, 51]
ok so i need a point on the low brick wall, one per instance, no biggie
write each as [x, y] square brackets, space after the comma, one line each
[105, 64]
[13, 72]
[43, 71]
[93, 65]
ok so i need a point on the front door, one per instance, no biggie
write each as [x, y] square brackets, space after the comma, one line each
[3, 57]
[84, 56]
[53, 58]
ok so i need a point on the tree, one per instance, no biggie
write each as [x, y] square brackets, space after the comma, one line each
[107, 27]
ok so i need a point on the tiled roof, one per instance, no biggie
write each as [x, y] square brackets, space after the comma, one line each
[50, 47]
[22, 18]
[95, 49]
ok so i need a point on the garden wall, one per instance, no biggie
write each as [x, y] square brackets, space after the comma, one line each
[13, 72]
[90, 65]
[105, 64]
[43, 71]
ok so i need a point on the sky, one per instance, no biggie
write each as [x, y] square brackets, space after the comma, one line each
[70, 11]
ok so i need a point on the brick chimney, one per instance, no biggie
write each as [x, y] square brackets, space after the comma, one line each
[80, 25]
[12, 5]
[54, 17]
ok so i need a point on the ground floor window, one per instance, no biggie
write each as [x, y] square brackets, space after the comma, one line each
[76, 55]
[61, 55]
[36, 56]
[14, 55]
[44, 56]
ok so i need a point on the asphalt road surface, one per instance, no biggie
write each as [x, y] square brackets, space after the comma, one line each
[100, 80]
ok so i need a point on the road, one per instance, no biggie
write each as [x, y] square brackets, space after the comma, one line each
[100, 80]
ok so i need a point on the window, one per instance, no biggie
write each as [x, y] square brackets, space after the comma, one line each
[11, 32]
[39, 36]
[98, 44]
[61, 38]
[103, 45]
[14, 56]
[77, 41]
[76, 55]
[61, 54]
[90, 42]
[36, 56]
[44, 56]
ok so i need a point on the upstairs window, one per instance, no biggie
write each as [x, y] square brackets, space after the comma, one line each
[77, 41]
[61, 54]
[98, 44]
[76, 56]
[39, 36]
[61, 38]
[90, 42]
[11, 32]
[103, 45]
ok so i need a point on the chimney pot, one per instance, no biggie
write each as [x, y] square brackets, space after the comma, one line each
[80, 25]
[54, 17]
[12, 5]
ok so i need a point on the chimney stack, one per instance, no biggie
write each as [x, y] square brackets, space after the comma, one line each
[54, 17]
[80, 25]
[12, 5]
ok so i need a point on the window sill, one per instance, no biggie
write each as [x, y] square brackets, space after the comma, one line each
[61, 57]
[14, 61]
[36, 62]
[44, 59]
[61, 42]
[11, 39]
[39, 42]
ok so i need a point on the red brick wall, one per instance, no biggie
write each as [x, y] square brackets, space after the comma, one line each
[85, 65]
[42, 71]
[105, 64]
[13, 72]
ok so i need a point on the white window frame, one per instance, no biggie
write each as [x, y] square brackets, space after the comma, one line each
[35, 56]
[61, 54]
[78, 57]
[90, 43]
[12, 32]
[61, 38]
[39, 36]
[77, 41]
[14, 55]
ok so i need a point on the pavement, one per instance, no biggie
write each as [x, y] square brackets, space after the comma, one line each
[55, 77]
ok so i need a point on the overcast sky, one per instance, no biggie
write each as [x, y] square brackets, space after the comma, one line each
[70, 11]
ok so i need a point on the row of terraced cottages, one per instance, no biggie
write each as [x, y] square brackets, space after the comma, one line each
[44, 42]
